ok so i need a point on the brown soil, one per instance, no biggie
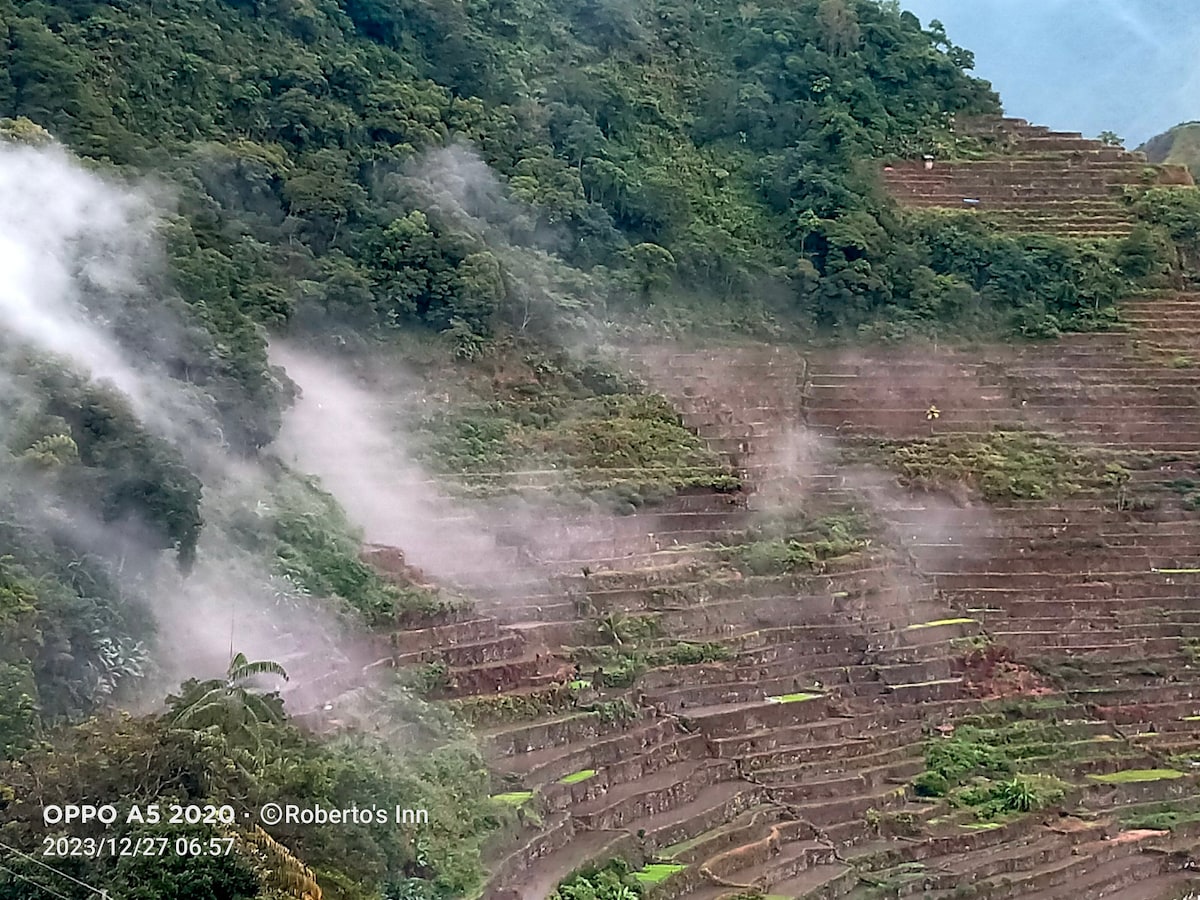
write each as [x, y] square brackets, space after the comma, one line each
[992, 674]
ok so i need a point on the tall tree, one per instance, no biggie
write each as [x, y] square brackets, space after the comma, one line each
[234, 705]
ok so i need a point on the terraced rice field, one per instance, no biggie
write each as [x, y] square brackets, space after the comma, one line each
[791, 729]
[1039, 181]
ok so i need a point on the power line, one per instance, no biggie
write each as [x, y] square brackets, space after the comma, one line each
[36, 884]
[59, 872]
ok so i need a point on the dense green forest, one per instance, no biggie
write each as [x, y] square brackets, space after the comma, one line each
[489, 176]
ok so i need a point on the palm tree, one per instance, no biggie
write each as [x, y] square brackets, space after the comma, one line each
[232, 705]
[614, 628]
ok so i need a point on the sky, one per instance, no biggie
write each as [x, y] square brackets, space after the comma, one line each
[1129, 66]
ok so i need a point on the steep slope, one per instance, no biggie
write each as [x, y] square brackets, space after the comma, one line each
[1178, 146]
[731, 685]
[1028, 178]
[288, 124]
[347, 172]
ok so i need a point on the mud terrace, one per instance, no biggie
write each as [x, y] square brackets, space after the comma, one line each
[784, 765]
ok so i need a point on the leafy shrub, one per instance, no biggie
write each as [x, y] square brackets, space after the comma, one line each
[686, 653]
[1022, 794]
[316, 548]
[797, 543]
[485, 710]
[1002, 465]
[931, 784]
[967, 752]
[619, 710]
[622, 673]
[1177, 212]
[613, 881]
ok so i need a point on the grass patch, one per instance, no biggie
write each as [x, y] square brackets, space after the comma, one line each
[796, 543]
[941, 622]
[658, 872]
[683, 846]
[1165, 816]
[621, 664]
[576, 777]
[1135, 776]
[585, 428]
[513, 798]
[486, 711]
[794, 698]
[687, 653]
[1003, 465]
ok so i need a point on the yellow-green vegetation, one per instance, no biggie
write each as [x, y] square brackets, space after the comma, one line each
[795, 698]
[513, 798]
[656, 872]
[576, 777]
[1020, 794]
[1136, 776]
[1002, 465]
[940, 622]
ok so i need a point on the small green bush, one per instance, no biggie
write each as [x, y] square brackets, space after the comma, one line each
[613, 881]
[1003, 465]
[1021, 794]
[931, 784]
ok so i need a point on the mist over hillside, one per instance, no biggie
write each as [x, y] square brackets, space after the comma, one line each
[217, 216]
[1127, 66]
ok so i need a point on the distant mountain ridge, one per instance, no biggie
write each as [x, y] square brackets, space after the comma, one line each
[1180, 144]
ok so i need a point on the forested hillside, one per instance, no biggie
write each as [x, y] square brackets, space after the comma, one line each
[474, 174]
[700, 144]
